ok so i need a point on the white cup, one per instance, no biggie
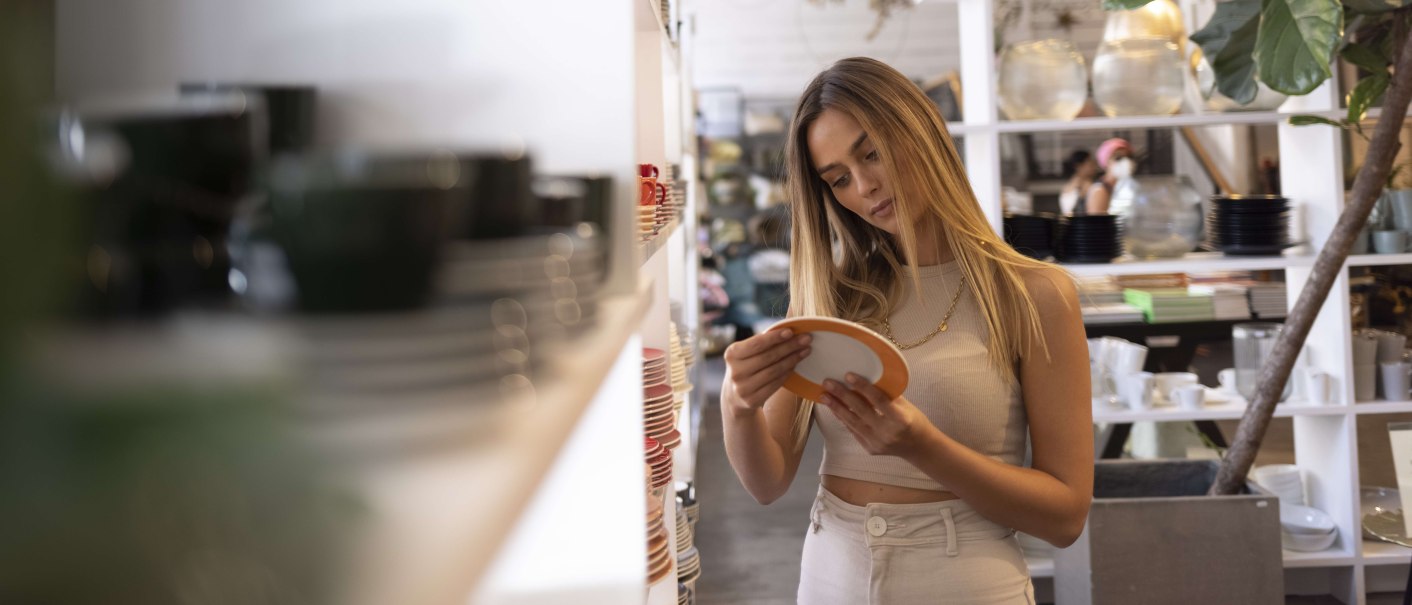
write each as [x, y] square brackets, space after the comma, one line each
[1095, 350]
[1190, 396]
[1397, 376]
[1365, 382]
[1136, 390]
[1227, 379]
[1318, 386]
[1390, 346]
[1169, 381]
[1128, 358]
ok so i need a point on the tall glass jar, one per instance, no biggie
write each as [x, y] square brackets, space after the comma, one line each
[1253, 343]
[1159, 18]
[1042, 80]
[1138, 76]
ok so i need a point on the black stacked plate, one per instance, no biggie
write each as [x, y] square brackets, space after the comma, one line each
[1090, 238]
[1248, 225]
[1031, 235]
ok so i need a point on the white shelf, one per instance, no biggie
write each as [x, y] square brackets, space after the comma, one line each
[1376, 552]
[1332, 557]
[1231, 410]
[1376, 260]
[1137, 122]
[437, 522]
[1382, 407]
[1197, 262]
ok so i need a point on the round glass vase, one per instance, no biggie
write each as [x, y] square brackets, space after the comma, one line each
[1164, 218]
[1042, 80]
[1138, 76]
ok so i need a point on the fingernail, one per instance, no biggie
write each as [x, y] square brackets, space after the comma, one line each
[786, 333]
[805, 353]
[852, 378]
[831, 384]
[804, 340]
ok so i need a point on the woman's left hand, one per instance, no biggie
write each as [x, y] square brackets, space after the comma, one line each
[882, 425]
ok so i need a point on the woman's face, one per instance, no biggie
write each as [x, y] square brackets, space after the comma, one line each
[849, 164]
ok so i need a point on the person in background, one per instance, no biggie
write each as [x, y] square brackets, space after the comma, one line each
[1115, 157]
[1081, 168]
[920, 495]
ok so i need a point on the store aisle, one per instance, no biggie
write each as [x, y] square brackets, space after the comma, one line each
[749, 553]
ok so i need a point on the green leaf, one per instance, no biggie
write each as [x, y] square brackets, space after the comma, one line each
[1369, 58]
[1228, 42]
[1368, 91]
[1375, 6]
[1309, 120]
[1296, 43]
[1123, 5]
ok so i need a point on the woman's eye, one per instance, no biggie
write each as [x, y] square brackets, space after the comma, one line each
[840, 181]
[872, 156]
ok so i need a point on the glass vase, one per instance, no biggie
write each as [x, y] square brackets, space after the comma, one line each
[1164, 218]
[1042, 80]
[1138, 76]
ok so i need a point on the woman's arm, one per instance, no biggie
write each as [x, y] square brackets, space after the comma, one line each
[1050, 500]
[1098, 197]
[759, 418]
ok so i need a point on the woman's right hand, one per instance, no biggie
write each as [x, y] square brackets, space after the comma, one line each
[758, 366]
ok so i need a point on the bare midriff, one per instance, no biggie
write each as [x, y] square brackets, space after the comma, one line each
[862, 493]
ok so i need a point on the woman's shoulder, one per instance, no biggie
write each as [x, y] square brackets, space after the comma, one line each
[1048, 283]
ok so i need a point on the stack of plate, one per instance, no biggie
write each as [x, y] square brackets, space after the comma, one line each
[1306, 529]
[1090, 238]
[659, 409]
[1248, 224]
[659, 552]
[1031, 235]
[681, 386]
[688, 559]
[660, 459]
[686, 494]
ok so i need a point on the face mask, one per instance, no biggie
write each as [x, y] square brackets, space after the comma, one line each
[1121, 168]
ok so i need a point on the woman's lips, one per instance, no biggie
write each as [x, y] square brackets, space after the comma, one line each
[882, 209]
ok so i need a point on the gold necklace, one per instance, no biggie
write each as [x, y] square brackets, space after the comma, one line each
[887, 327]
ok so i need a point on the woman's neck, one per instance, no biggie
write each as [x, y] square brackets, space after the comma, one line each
[932, 248]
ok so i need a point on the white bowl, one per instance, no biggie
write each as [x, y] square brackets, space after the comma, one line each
[1307, 542]
[1305, 520]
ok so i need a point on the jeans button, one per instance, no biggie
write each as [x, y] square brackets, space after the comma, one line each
[877, 526]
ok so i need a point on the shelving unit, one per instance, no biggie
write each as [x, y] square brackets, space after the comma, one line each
[583, 88]
[1311, 162]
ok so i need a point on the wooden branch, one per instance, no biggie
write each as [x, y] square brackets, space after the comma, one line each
[1367, 186]
[1204, 156]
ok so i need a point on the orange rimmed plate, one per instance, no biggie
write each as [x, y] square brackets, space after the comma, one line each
[840, 347]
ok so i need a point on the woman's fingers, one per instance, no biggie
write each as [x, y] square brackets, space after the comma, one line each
[868, 391]
[852, 400]
[762, 351]
[772, 377]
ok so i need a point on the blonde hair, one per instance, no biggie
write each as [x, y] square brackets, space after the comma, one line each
[928, 182]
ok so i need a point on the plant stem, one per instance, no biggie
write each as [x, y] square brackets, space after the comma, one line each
[1367, 186]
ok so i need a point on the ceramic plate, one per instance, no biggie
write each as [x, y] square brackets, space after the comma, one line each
[840, 347]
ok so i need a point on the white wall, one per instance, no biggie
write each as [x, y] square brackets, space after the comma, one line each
[555, 74]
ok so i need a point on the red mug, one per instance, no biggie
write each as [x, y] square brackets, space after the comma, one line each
[648, 192]
[647, 171]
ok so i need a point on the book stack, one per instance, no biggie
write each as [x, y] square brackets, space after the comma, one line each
[1171, 305]
[1269, 300]
[1098, 291]
[1228, 301]
[1111, 313]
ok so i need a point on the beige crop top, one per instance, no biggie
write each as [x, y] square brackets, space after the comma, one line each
[951, 382]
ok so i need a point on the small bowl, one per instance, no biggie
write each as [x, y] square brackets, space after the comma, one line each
[1307, 542]
[1305, 520]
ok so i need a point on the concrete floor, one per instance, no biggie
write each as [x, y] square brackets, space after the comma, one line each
[750, 553]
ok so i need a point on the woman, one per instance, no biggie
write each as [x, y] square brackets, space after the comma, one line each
[1081, 168]
[919, 495]
[1115, 157]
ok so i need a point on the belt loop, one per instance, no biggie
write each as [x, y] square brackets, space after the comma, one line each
[950, 522]
[814, 514]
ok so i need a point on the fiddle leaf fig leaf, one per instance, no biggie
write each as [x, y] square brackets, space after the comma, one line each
[1228, 43]
[1296, 43]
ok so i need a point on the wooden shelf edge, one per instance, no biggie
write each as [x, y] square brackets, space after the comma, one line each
[650, 247]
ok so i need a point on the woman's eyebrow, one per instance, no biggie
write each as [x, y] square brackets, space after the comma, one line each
[852, 149]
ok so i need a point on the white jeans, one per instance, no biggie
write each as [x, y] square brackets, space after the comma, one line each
[886, 554]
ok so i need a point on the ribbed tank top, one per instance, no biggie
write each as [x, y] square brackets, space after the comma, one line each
[952, 382]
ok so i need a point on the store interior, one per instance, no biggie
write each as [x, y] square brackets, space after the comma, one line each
[358, 302]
